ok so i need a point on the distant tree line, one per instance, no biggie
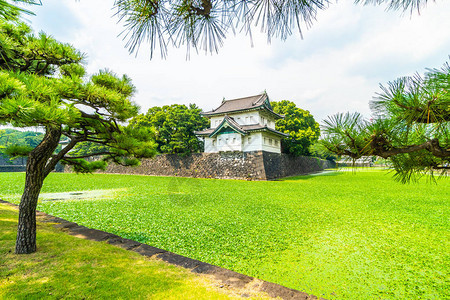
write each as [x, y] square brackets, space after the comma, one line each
[13, 141]
[172, 127]
[11, 136]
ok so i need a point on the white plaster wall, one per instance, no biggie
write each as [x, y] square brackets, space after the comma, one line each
[255, 117]
[267, 119]
[236, 142]
[209, 147]
[255, 142]
[229, 142]
[246, 118]
[275, 146]
[215, 121]
[223, 142]
[241, 143]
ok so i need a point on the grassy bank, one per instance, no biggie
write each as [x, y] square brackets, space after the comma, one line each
[339, 235]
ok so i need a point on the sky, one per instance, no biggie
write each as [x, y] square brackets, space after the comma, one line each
[337, 66]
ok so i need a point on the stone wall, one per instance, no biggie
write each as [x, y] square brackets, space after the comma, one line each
[13, 168]
[19, 165]
[15, 165]
[283, 165]
[258, 165]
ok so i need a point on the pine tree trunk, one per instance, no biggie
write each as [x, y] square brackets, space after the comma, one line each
[26, 230]
[35, 175]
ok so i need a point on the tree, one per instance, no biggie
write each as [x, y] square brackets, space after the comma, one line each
[43, 84]
[86, 148]
[15, 137]
[410, 126]
[174, 127]
[14, 141]
[9, 12]
[318, 150]
[303, 130]
[204, 24]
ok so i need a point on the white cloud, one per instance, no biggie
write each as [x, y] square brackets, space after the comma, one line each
[336, 67]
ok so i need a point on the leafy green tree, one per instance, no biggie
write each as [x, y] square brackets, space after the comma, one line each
[43, 84]
[303, 130]
[204, 24]
[318, 150]
[14, 141]
[410, 126]
[16, 137]
[174, 127]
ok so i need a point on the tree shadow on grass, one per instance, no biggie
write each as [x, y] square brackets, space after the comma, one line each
[67, 267]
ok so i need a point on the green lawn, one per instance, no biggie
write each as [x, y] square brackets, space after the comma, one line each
[66, 267]
[340, 235]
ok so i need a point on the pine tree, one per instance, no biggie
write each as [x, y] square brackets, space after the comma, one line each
[204, 24]
[410, 126]
[43, 84]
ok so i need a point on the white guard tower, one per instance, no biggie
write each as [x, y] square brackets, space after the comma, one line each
[244, 124]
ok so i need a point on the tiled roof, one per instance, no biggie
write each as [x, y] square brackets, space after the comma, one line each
[204, 132]
[231, 122]
[243, 129]
[259, 127]
[242, 104]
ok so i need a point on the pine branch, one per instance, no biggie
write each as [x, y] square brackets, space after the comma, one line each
[89, 155]
[51, 164]
[432, 146]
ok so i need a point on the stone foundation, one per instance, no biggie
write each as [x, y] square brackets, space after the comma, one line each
[258, 165]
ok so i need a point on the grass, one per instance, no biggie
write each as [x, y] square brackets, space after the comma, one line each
[68, 267]
[340, 235]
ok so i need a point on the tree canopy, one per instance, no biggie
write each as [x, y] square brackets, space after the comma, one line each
[303, 130]
[204, 24]
[410, 126]
[174, 126]
[43, 84]
[318, 150]
[10, 12]
[9, 136]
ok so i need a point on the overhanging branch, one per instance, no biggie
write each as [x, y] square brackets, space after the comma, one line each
[431, 146]
[89, 155]
[51, 164]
